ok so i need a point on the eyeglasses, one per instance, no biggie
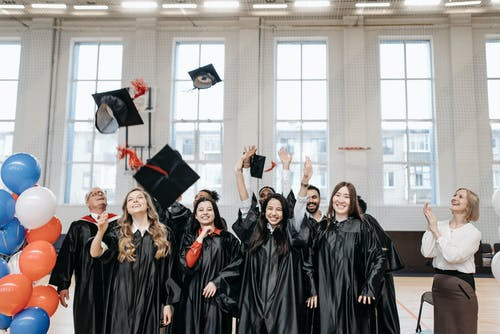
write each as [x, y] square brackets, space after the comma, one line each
[97, 193]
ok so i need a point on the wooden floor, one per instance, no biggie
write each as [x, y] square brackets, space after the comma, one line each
[408, 292]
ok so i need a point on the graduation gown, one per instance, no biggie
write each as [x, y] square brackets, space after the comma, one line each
[273, 291]
[138, 289]
[90, 275]
[350, 263]
[387, 311]
[219, 262]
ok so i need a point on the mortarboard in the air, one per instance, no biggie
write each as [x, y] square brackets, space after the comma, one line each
[115, 109]
[257, 163]
[166, 176]
[204, 77]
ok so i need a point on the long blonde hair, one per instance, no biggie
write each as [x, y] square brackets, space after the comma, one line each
[158, 232]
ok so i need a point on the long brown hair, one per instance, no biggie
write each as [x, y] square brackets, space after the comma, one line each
[158, 232]
[353, 202]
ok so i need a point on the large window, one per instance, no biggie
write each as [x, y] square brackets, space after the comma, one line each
[302, 108]
[407, 109]
[198, 115]
[493, 78]
[91, 156]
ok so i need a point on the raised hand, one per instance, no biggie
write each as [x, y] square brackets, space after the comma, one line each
[430, 217]
[285, 157]
[307, 170]
[248, 152]
[102, 222]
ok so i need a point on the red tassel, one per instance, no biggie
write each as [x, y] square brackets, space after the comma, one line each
[133, 160]
[140, 87]
[273, 164]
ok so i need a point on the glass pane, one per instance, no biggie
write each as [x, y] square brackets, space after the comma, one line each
[105, 177]
[314, 61]
[494, 98]
[11, 57]
[420, 185]
[184, 134]
[320, 178]
[84, 106]
[213, 54]
[78, 180]
[392, 99]
[86, 61]
[186, 59]
[6, 139]
[295, 176]
[210, 141]
[314, 100]
[82, 141]
[493, 59]
[394, 141]
[210, 176]
[185, 100]
[288, 100]
[392, 60]
[418, 60]
[104, 86]
[188, 195]
[421, 141]
[110, 62]
[8, 96]
[288, 136]
[419, 99]
[105, 147]
[496, 177]
[395, 189]
[212, 102]
[315, 141]
[495, 140]
[288, 61]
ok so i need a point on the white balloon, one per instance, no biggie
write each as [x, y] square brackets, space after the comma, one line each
[35, 207]
[495, 266]
[14, 263]
[495, 201]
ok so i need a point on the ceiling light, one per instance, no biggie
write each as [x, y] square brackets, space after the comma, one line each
[372, 5]
[271, 6]
[422, 3]
[5, 6]
[462, 3]
[48, 5]
[90, 7]
[221, 4]
[311, 3]
[179, 5]
[139, 4]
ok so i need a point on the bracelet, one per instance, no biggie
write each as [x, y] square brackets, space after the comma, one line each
[305, 185]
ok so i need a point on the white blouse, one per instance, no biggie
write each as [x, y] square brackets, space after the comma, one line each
[455, 249]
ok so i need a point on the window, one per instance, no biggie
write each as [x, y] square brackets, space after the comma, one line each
[198, 115]
[407, 110]
[389, 179]
[91, 156]
[493, 80]
[301, 88]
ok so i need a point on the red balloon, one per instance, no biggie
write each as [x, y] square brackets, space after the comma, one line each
[49, 232]
[45, 297]
[37, 259]
[15, 292]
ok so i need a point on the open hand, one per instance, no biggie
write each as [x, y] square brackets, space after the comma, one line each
[209, 290]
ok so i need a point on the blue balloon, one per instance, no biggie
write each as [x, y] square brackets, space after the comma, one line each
[11, 237]
[31, 320]
[20, 171]
[4, 270]
[5, 321]
[7, 207]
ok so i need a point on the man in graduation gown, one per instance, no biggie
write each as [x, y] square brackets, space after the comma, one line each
[90, 275]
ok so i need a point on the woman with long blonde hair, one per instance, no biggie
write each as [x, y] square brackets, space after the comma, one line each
[141, 292]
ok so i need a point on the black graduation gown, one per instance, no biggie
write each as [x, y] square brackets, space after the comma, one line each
[219, 262]
[387, 311]
[138, 289]
[350, 263]
[90, 276]
[273, 292]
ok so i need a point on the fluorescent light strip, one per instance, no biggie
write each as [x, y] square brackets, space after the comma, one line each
[221, 4]
[311, 3]
[11, 6]
[372, 5]
[270, 6]
[90, 7]
[462, 3]
[179, 5]
[422, 3]
[139, 4]
[48, 5]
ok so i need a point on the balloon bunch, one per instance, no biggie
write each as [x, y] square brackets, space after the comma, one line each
[28, 228]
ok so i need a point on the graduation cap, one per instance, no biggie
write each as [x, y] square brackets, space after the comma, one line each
[257, 163]
[204, 77]
[115, 109]
[166, 176]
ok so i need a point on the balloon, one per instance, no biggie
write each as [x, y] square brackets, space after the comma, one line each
[5, 321]
[495, 266]
[14, 263]
[7, 207]
[37, 259]
[49, 232]
[20, 171]
[11, 237]
[35, 207]
[45, 297]
[4, 268]
[32, 320]
[15, 292]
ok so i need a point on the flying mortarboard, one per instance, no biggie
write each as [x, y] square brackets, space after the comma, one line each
[257, 163]
[115, 109]
[204, 77]
[166, 176]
